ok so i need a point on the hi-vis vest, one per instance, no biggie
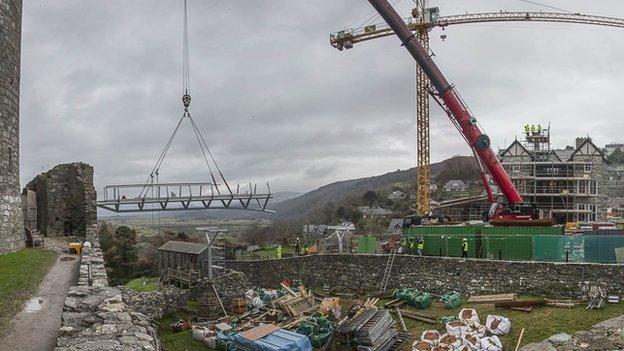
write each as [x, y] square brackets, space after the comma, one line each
[421, 246]
[465, 246]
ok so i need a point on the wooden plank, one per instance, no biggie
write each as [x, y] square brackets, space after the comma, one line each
[519, 339]
[260, 331]
[491, 298]
[522, 303]
[288, 289]
[527, 309]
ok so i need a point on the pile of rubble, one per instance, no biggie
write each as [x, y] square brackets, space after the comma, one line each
[95, 317]
[155, 304]
[605, 335]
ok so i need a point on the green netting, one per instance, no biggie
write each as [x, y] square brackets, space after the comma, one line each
[317, 328]
[414, 297]
[454, 244]
[442, 229]
[601, 248]
[553, 248]
[554, 230]
[367, 244]
[451, 300]
[509, 247]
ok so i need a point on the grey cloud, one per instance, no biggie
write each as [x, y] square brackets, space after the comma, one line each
[101, 84]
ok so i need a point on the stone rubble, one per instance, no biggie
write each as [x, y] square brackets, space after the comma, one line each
[95, 317]
[606, 335]
[155, 304]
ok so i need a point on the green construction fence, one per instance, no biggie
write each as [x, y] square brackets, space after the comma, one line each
[546, 244]
[368, 244]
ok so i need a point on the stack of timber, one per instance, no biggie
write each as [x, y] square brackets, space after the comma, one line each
[491, 299]
[419, 316]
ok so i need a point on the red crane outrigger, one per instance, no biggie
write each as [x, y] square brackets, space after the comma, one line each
[448, 98]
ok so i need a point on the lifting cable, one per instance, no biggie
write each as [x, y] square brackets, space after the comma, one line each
[186, 101]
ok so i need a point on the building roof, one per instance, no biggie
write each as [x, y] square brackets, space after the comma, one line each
[395, 224]
[455, 183]
[588, 148]
[564, 154]
[367, 210]
[185, 247]
[515, 149]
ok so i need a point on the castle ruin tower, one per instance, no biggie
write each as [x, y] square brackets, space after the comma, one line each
[12, 235]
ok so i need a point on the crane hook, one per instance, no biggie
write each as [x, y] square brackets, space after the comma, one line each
[186, 100]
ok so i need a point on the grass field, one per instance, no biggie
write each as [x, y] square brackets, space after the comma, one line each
[181, 341]
[20, 275]
[143, 284]
[541, 323]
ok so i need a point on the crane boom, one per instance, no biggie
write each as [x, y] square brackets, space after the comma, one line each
[458, 111]
[346, 38]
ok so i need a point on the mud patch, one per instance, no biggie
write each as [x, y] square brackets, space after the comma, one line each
[67, 258]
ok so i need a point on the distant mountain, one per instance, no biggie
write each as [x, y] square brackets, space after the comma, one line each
[284, 195]
[459, 167]
[290, 205]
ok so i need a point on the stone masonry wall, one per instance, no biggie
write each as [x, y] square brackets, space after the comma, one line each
[94, 316]
[66, 199]
[434, 274]
[12, 235]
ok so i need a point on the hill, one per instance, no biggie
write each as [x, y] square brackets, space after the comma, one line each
[459, 167]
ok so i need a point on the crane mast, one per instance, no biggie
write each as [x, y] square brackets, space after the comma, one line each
[456, 108]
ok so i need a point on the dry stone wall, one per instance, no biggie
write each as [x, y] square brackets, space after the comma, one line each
[12, 235]
[435, 274]
[95, 317]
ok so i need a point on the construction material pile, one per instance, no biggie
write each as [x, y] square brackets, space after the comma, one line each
[466, 333]
[318, 329]
[370, 330]
[414, 297]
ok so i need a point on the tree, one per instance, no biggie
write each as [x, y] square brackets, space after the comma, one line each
[121, 254]
[616, 157]
[370, 198]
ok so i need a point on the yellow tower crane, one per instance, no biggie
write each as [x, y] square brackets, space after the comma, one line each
[422, 21]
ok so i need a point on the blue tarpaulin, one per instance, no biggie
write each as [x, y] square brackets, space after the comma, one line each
[279, 340]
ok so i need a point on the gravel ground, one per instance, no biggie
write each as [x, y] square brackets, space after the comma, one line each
[36, 326]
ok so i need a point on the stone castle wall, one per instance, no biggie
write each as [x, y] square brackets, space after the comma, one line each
[437, 275]
[95, 318]
[12, 236]
[66, 199]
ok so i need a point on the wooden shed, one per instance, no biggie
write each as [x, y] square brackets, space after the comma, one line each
[180, 257]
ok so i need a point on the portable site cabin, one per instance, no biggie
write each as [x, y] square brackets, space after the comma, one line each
[183, 256]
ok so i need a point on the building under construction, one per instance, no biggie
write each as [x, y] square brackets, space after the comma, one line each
[566, 184]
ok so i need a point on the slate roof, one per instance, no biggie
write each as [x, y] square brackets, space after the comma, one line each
[395, 224]
[185, 247]
[564, 154]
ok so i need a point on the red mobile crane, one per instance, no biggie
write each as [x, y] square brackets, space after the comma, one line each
[448, 98]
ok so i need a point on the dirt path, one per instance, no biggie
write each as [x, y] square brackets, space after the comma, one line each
[36, 326]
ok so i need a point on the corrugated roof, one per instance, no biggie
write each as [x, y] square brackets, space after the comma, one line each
[183, 246]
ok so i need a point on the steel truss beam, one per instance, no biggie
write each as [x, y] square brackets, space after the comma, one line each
[180, 197]
[346, 38]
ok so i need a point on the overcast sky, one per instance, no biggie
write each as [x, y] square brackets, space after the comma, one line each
[101, 83]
